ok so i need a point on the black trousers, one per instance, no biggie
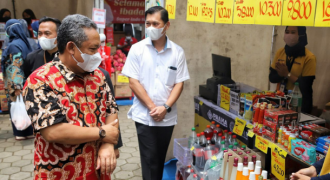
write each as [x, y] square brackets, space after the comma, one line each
[153, 144]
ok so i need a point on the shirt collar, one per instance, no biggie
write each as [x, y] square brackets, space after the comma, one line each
[66, 73]
[167, 44]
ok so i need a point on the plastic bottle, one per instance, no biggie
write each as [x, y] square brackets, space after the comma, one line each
[264, 175]
[222, 171]
[192, 138]
[227, 167]
[226, 138]
[209, 150]
[198, 156]
[208, 132]
[235, 146]
[202, 140]
[245, 161]
[245, 175]
[230, 138]
[296, 100]
[213, 125]
[286, 139]
[252, 176]
[214, 138]
[279, 139]
[283, 136]
[250, 166]
[257, 171]
[218, 129]
[223, 142]
[198, 139]
[256, 115]
[234, 170]
[192, 177]
[244, 147]
[239, 174]
[292, 136]
[261, 119]
[234, 139]
[254, 160]
[258, 163]
[230, 147]
[187, 172]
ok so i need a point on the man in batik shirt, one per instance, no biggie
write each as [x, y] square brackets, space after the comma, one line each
[73, 111]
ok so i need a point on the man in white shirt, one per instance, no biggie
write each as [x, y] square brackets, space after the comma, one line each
[156, 68]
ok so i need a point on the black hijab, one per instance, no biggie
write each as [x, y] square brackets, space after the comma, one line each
[32, 16]
[4, 19]
[299, 49]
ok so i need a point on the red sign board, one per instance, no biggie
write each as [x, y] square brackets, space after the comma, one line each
[127, 11]
[109, 35]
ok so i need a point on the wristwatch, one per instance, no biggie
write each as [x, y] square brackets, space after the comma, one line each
[288, 76]
[168, 108]
[102, 133]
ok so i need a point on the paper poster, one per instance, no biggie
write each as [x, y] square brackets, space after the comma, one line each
[268, 12]
[125, 12]
[244, 11]
[239, 126]
[322, 18]
[278, 162]
[171, 8]
[225, 97]
[193, 10]
[224, 11]
[298, 12]
[262, 144]
[99, 17]
[152, 3]
[208, 11]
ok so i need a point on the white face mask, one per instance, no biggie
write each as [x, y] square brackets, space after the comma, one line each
[91, 62]
[155, 33]
[47, 44]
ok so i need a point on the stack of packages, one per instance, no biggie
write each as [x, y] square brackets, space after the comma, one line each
[119, 81]
[217, 155]
[323, 144]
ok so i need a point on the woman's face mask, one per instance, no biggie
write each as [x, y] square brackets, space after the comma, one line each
[291, 39]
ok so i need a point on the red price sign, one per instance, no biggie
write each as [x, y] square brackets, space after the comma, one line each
[224, 12]
[322, 18]
[269, 12]
[244, 12]
[207, 7]
[298, 12]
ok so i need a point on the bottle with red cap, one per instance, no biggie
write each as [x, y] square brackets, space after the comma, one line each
[219, 139]
[218, 129]
[187, 172]
[208, 132]
[213, 126]
[192, 177]
[226, 138]
[214, 138]
[198, 156]
[230, 138]
[223, 143]
[202, 140]
[234, 139]
[209, 150]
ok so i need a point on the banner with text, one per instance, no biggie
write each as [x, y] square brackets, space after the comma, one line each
[268, 12]
[298, 12]
[224, 11]
[208, 11]
[128, 11]
[171, 8]
[322, 18]
[193, 10]
[244, 11]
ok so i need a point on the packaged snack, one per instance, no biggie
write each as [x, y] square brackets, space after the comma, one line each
[313, 131]
[303, 150]
[326, 147]
[325, 140]
[321, 150]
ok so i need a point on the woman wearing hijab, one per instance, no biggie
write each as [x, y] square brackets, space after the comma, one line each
[11, 64]
[295, 63]
[5, 15]
[32, 42]
[28, 15]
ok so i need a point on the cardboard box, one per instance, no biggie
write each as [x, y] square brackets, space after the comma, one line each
[4, 103]
[123, 91]
[121, 79]
[113, 78]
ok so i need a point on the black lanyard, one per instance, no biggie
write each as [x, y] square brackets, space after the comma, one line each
[289, 63]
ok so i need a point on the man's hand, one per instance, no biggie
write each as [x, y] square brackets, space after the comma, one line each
[296, 176]
[112, 133]
[282, 69]
[18, 92]
[117, 153]
[310, 172]
[106, 159]
[158, 113]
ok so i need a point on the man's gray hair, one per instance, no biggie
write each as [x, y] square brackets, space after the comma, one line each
[72, 29]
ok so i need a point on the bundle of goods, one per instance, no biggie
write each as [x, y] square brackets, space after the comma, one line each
[310, 132]
[303, 150]
[217, 155]
[323, 144]
[118, 61]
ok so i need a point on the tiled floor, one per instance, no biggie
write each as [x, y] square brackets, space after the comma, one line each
[16, 157]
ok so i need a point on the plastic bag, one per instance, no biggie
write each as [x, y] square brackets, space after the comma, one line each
[19, 115]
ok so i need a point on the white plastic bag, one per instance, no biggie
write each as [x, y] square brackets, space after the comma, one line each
[19, 115]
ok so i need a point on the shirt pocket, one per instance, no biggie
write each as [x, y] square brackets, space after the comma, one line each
[170, 76]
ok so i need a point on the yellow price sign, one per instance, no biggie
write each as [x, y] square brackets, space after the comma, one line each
[225, 97]
[244, 12]
[193, 10]
[250, 134]
[224, 11]
[298, 12]
[171, 7]
[268, 12]
[239, 126]
[250, 126]
[322, 18]
[262, 144]
[201, 103]
[122, 79]
[208, 10]
[278, 162]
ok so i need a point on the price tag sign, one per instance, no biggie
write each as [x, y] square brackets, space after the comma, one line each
[201, 103]
[298, 12]
[208, 11]
[225, 97]
[170, 7]
[244, 12]
[261, 144]
[322, 18]
[239, 126]
[224, 11]
[250, 134]
[269, 12]
[122, 79]
[278, 162]
[250, 126]
[193, 10]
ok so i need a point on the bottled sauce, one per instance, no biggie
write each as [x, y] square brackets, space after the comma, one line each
[209, 150]
[208, 132]
[256, 116]
[261, 119]
[214, 138]
[296, 100]
[248, 152]
[245, 175]
[292, 136]
[213, 126]
[283, 136]
[202, 140]
[234, 170]
[192, 138]
[240, 153]
[239, 173]
[218, 129]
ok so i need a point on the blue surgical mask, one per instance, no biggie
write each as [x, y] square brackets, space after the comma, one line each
[35, 34]
[7, 35]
